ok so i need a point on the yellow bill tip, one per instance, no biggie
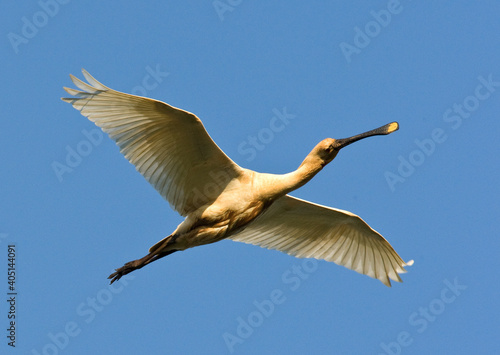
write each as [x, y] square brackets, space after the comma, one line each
[391, 127]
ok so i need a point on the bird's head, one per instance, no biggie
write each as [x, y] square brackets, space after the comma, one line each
[326, 150]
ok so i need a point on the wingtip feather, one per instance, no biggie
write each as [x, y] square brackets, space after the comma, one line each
[93, 81]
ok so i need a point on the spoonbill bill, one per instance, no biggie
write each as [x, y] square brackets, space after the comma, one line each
[221, 200]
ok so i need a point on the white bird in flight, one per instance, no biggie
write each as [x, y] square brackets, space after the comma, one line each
[172, 150]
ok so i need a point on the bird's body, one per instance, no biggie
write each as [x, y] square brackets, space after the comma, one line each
[242, 200]
[172, 150]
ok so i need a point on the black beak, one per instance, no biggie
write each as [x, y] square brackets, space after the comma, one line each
[388, 128]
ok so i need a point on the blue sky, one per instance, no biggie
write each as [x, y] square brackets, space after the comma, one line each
[336, 70]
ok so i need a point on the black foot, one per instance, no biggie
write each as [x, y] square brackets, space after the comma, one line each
[124, 270]
[137, 264]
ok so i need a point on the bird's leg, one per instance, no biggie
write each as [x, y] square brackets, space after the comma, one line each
[139, 263]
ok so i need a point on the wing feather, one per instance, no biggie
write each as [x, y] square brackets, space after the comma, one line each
[304, 229]
[168, 146]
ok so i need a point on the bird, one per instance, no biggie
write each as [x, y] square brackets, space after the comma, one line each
[172, 150]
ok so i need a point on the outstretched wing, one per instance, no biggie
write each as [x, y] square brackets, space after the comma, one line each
[168, 146]
[308, 230]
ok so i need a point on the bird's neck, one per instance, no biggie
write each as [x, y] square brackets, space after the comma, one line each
[305, 172]
[282, 184]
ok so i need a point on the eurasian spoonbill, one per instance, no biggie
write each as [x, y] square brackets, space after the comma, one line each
[173, 151]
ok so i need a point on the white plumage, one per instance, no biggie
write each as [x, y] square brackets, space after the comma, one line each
[307, 230]
[173, 151]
